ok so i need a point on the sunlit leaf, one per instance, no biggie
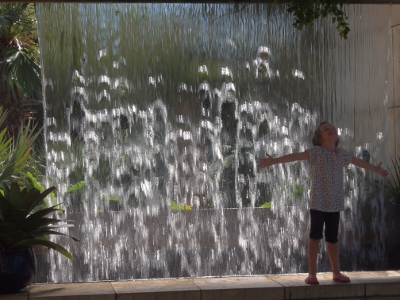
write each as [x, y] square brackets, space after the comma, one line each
[76, 187]
[266, 205]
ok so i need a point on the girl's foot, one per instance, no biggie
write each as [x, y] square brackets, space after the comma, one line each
[311, 280]
[341, 279]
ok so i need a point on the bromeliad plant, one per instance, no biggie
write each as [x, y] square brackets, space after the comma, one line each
[23, 227]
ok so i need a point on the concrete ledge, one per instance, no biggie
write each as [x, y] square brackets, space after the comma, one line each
[382, 285]
[73, 291]
[239, 288]
[327, 288]
[166, 289]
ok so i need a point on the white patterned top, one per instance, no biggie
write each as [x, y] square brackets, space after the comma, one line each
[327, 191]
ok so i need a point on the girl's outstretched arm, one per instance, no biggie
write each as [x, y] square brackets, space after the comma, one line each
[269, 160]
[367, 166]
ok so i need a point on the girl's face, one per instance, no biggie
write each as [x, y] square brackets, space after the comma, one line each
[328, 133]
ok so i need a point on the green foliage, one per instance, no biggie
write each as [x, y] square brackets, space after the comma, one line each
[76, 187]
[18, 69]
[392, 188]
[19, 51]
[179, 206]
[266, 205]
[38, 185]
[35, 182]
[15, 153]
[21, 227]
[296, 189]
[306, 12]
[110, 197]
[229, 160]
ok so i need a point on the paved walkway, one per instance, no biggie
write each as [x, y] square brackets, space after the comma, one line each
[382, 285]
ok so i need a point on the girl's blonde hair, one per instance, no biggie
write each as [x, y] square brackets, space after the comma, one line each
[316, 140]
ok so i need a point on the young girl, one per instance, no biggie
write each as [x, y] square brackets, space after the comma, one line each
[327, 193]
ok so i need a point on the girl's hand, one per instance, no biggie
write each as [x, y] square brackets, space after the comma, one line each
[266, 162]
[381, 171]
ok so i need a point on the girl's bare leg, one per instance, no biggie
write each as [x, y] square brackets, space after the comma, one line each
[313, 248]
[333, 253]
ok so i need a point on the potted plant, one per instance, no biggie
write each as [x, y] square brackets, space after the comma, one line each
[23, 225]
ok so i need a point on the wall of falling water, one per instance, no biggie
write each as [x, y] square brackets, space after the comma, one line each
[156, 115]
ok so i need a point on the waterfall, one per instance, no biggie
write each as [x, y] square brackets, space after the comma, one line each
[155, 117]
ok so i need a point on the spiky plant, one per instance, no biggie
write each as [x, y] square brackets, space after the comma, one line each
[392, 188]
[16, 152]
[23, 227]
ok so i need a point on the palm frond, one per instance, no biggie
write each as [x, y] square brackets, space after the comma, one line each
[11, 14]
[20, 71]
[19, 51]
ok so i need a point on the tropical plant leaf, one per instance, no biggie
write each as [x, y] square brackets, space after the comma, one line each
[44, 232]
[20, 227]
[35, 182]
[76, 187]
[3, 116]
[18, 235]
[5, 142]
[41, 196]
[48, 244]
[228, 160]
[179, 206]
[20, 69]
[392, 188]
[34, 224]
[7, 227]
[60, 226]
[5, 206]
[22, 148]
[6, 190]
[29, 197]
[40, 214]
[17, 216]
[5, 240]
[266, 205]
[11, 14]
[15, 196]
[110, 198]
[15, 153]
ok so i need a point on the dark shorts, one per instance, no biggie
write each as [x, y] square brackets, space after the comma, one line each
[331, 221]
